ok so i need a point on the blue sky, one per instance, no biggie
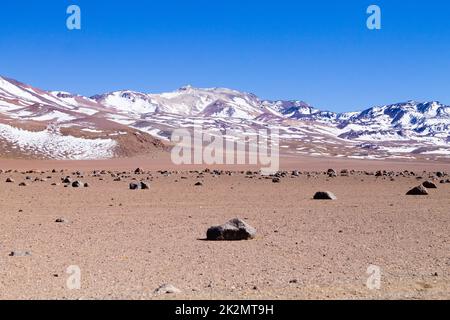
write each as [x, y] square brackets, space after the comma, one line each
[317, 51]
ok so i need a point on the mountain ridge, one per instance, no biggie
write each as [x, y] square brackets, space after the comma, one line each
[406, 125]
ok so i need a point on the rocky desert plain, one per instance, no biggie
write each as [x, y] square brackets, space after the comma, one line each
[129, 243]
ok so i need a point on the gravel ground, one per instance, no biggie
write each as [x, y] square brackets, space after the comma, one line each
[127, 243]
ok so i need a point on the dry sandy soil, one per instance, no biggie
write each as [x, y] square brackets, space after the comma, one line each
[127, 243]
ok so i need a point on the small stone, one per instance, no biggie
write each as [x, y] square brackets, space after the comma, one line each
[62, 220]
[67, 180]
[22, 184]
[324, 195]
[20, 254]
[144, 186]
[9, 180]
[418, 191]
[134, 186]
[429, 185]
[167, 289]
[331, 173]
[198, 184]
[76, 184]
[276, 180]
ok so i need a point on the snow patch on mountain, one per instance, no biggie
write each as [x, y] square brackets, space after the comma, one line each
[57, 146]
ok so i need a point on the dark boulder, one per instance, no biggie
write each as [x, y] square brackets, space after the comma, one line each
[324, 195]
[233, 230]
[77, 184]
[429, 185]
[134, 186]
[418, 191]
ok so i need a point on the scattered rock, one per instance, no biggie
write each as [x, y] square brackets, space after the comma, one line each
[324, 195]
[276, 180]
[167, 289]
[66, 180]
[344, 173]
[134, 186]
[20, 254]
[77, 184]
[331, 173]
[233, 230]
[139, 185]
[418, 191]
[429, 185]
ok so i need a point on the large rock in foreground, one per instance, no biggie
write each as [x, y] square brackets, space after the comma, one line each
[233, 230]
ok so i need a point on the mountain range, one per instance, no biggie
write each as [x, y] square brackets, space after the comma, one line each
[42, 124]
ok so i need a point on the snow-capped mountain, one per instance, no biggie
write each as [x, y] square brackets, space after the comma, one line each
[38, 124]
[187, 101]
[58, 124]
